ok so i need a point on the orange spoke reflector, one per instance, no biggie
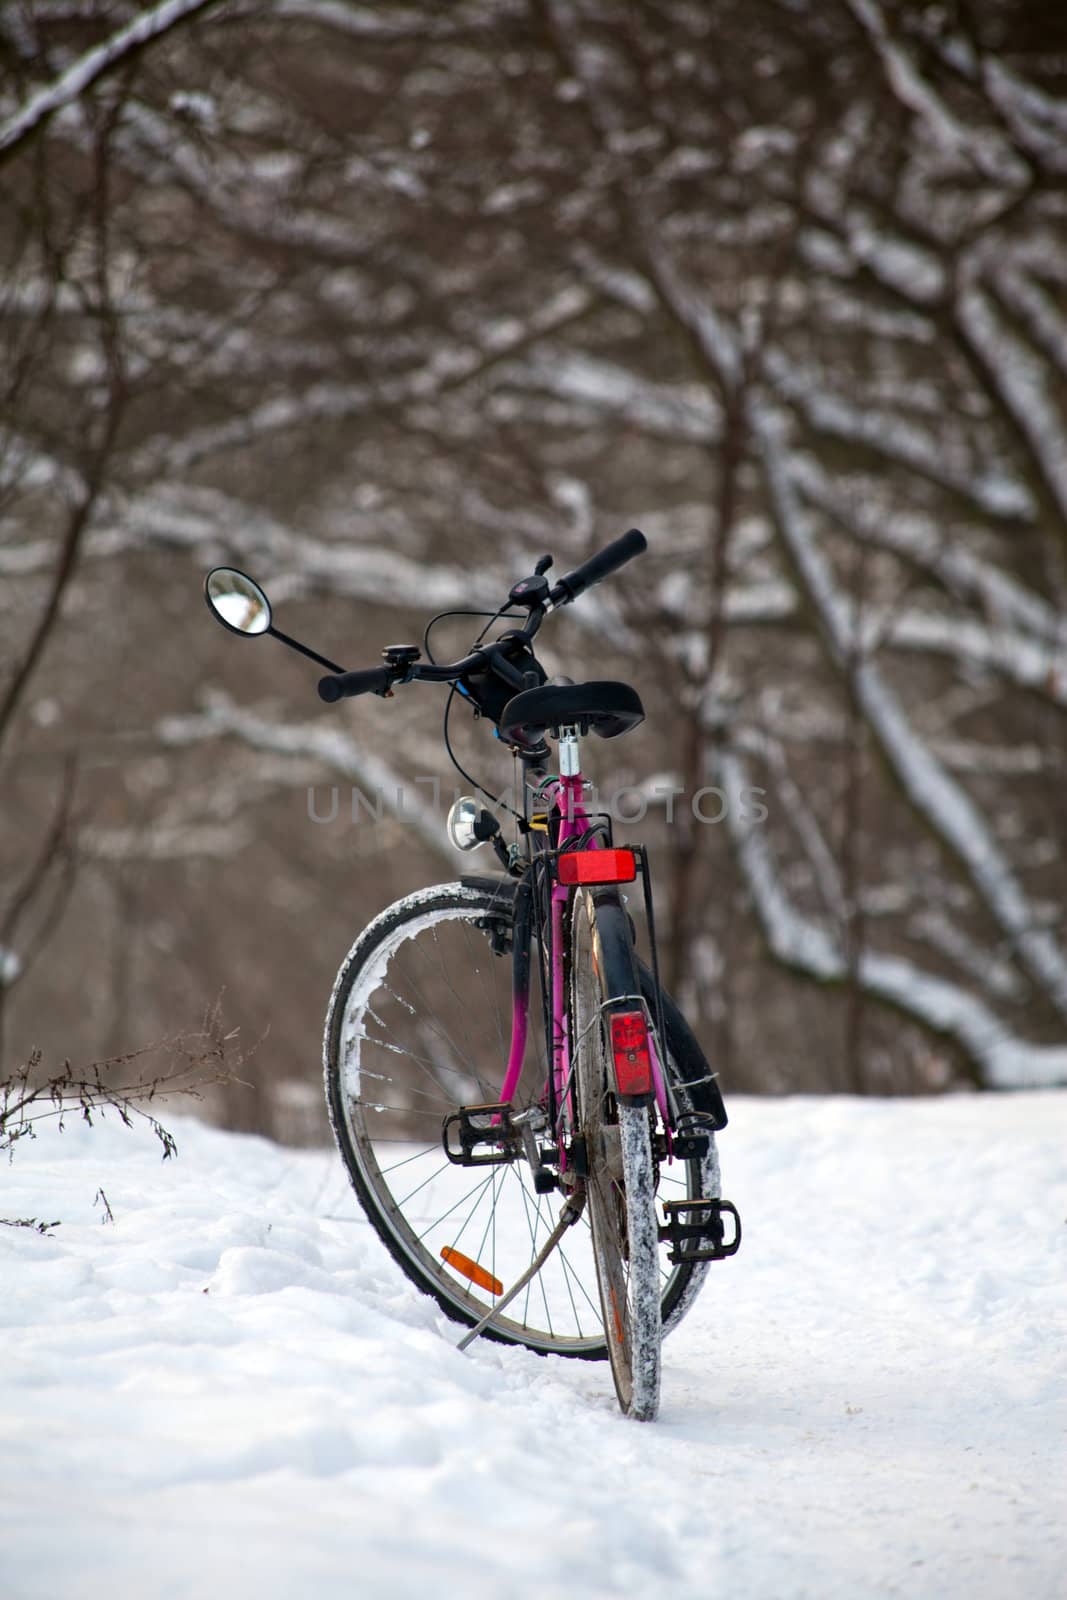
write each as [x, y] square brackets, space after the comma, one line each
[629, 1047]
[470, 1269]
[597, 866]
[618, 1320]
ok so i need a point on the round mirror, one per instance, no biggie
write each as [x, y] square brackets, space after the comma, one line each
[462, 821]
[239, 604]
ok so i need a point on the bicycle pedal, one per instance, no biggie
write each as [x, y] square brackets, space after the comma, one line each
[471, 1126]
[695, 1230]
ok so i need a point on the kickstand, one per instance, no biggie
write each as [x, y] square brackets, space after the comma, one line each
[572, 1210]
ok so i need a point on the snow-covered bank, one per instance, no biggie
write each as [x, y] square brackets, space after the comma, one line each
[232, 1391]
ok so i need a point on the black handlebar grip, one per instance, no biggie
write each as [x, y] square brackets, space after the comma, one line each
[605, 562]
[371, 680]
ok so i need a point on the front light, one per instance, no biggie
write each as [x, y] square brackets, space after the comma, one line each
[462, 820]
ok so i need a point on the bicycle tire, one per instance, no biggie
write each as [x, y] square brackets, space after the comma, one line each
[375, 1036]
[621, 1179]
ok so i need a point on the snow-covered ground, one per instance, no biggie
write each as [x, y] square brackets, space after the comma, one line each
[230, 1391]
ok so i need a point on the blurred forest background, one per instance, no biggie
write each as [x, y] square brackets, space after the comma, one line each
[381, 303]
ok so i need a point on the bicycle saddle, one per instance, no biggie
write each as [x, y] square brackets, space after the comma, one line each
[605, 708]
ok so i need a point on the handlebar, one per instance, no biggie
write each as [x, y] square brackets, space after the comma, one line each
[602, 565]
[370, 680]
[380, 680]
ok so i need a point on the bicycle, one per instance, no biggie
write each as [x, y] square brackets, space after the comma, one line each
[457, 1122]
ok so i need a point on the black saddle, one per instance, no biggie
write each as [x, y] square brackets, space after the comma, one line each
[607, 709]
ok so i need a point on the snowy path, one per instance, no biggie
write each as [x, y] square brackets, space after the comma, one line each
[228, 1394]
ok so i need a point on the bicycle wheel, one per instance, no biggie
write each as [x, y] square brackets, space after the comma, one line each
[621, 1181]
[418, 1025]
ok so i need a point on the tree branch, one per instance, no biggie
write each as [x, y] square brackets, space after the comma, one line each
[93, 65]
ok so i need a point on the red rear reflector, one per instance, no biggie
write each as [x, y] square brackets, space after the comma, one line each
[597, 866]
[629, 1046]
[470, 1269]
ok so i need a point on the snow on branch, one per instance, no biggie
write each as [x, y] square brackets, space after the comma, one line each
[980, 147]
[904, 443]
[1028, 300]
[368, 22]
[447, 369]
[83, 73]
[1005, 761]
[1032, 666]
[1004, 644]
[379, 783]
[1020, 380]
[160, 842]
[1037, 121]
[920, 541]
[24, 466]
[210, 522]
[674, 411]
[1003, 1060]
[993, 975]
[243, 192]
[619, 283]
[801, 818]
[215, 527]
[715, 338]
[936, 797]
[904, 266]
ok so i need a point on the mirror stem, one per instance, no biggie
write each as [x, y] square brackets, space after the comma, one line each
[294, 644]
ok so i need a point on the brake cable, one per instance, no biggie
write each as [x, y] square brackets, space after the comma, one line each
[494, 800]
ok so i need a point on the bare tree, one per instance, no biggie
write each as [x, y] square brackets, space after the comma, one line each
[383, 305]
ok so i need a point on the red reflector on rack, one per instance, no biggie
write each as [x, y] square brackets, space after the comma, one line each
[597, 866]
[629, 1046]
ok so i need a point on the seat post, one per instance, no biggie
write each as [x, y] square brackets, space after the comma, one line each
[570, 778]
[570, 759]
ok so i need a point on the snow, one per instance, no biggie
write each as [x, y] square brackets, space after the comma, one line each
[444, 369]
[88, 68]
[373, 781]
[232, 1389]
[1020, 379]
[1036, 119]
[894, 438]
[942, 802]
[949, 807]
[901, 264]
[629, 288]
[1026, 297]
[714, 336]
[988, 154]
[919, 539]
[1004, 1060]
[360, 21]
[679, 411]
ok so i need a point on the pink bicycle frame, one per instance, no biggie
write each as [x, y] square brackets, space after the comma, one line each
[564, 798]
